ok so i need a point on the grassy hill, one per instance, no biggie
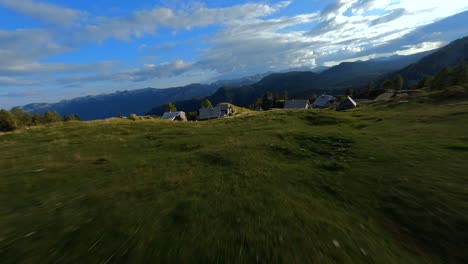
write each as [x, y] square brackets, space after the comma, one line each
[384, 183]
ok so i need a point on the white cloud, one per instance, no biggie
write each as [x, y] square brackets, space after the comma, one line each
[141, 74]
[151, 71]
[48, 13]
[9, 81]
[247, 41]
[144, 22]
[26, 44]
[36, 68]
[421, 47]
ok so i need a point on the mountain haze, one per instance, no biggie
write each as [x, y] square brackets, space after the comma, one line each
[305, 84]
[137, 101]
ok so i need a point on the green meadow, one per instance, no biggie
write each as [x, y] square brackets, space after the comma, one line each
[386, 182]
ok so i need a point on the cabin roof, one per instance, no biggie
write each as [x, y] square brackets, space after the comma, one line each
[324, 100]
[210, 113]
[172, 115]
[296, 104]
[347, 104]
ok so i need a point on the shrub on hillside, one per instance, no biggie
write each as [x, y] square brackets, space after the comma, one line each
[36, 119]
[192, 116]
[51, 117]
[22, 118]
[72, 117]
[7, 121]
[451, 92]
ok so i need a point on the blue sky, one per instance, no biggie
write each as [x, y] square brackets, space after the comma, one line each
[52, 50]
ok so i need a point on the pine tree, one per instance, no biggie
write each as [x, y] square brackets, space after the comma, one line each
[206, 104]
[387, 85]
[275, 100]
[398, 82]
[284, 95]
[170, 107]
[441, 79]
[267, 101]
[460, 74]
[370, 88]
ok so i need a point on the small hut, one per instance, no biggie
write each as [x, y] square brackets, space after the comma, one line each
[324, 101]
[174, 116]
[346, 104]
[220, 110]
[226, 109]
[297, 104]
[210, 113]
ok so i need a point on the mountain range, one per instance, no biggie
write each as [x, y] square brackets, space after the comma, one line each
[124, 103]
[450, 55]
[241, 91]
[245, 91]
[305, 84]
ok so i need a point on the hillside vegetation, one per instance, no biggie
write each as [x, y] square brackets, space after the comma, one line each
[384, 183]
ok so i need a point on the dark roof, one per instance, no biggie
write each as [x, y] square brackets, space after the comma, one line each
[324, 101]
[296, 104]
[224, 106]
[209, 113]
[173, 115]
[348, 103]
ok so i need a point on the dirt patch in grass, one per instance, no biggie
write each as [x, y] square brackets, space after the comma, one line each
[100, 161]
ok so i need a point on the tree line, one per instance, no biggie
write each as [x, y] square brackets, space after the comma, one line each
[445, 77]
[16, 118]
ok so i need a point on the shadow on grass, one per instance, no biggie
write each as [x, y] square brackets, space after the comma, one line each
[215, 159]
[332, 166]
[317, 120]
[458, 148]
[101, 161]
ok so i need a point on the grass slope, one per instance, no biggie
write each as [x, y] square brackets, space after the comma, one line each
[384, 183]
